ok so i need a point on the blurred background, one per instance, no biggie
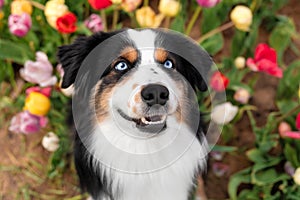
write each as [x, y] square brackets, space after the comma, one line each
[254, 43]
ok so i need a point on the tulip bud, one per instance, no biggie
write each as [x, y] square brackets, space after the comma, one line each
[241, 16]
[50, 142]
[242, 95]
[169, 8]
[18, 7]
[146, 17]
[283, 128]
[208, 3]
[19, 25]
[219, 81]
[130, 5]
[240, 62]
[37, 104]
[296, 176]
[53, 10]
[224, 113]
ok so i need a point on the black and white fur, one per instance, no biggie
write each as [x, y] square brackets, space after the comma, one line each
[173, 182]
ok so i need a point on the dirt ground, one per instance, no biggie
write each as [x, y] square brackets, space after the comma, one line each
[23, 161]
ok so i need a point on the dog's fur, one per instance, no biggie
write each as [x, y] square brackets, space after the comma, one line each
[175, 181]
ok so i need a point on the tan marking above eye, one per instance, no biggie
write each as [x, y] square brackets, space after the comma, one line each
[130, 54]
[160, 55]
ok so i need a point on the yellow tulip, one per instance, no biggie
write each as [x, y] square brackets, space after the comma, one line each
[146, 17]
[296, 176]
[37, 104]
[169, 8]
[19, 7]
[55, 9]
[241, 16]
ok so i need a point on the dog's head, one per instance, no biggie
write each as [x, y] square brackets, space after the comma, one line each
[147, 87]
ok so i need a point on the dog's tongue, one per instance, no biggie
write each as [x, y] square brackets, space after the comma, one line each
[154, 118]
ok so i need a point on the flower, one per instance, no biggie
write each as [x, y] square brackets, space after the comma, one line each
[50, 142]
[66, 23]
[26, 123]
[100, 4]
[45, 91]
[146, 17]
[240, 62]
[288, 168]
[94, 23]
[37, 104]
[19, 25]
[242, 96]
[298, 121]
[169, 8]
[219, 81]
[224, 113]
[1, 3]
[283, 128]
[130, 5]
[296, 176]
[18, 7]
[219, 169]
[241, 16]
[53, 10]
[116, 1]
[265, 60]
[40, 71]
[208, 3]
[216, 155]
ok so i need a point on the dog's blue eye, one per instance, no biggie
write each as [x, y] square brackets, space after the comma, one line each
[168, 64]
[121, 66]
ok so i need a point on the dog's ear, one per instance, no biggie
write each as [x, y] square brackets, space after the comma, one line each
[192, 75]
[71, 56]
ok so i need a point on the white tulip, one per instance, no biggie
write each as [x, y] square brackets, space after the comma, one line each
[224, 113]
[50, 142]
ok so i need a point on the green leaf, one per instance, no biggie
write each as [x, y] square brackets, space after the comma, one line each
[224, 148]
[213, 44]
[291, 155]
[235, 180]
[255, 156]
[17, 52]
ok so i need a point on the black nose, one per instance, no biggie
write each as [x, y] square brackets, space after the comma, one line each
[155, 94]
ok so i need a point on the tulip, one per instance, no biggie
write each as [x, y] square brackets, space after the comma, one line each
[242, 96]
[50, 142]
[146, 17]
[224, 113]
[100, 4]
[37, 104]
[116, 1]
[283, 128]
[66, 23]
[53, 10]
[130, 5]
[240, 62]
[220, 169]
[296, 176]
[298, 121]
[265, 60]
[219, 81]
[1, 3]
[169, 8]
[208, 3]
[27, 123]
[45, 91]
[94, 23]
[39, 72]
[18, 7]
[241, 16]
[19, 25]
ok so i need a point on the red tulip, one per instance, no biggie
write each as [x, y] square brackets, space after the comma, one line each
[100, 4]
[66, 23]
[265, 60]
[219, 81]
[298, 121]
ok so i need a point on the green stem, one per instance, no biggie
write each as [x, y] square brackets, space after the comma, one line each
[215, 31]
[193, 20]
[289, 113]
[104, 21]
[146, 3]
[115, 18]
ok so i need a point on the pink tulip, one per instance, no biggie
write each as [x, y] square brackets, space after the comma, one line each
[1, 3]
[298, 121]
[45, 91]
[26, 123]
[19, 25]
[40, 71]
[94, 23]
[208, 3]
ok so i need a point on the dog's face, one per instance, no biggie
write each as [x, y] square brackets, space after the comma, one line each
[145, 89]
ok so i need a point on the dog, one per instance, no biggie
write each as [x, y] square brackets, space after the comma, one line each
[142, 143]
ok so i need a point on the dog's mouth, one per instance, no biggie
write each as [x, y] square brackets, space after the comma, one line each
[154, 123]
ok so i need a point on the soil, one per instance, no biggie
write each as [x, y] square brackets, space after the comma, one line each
[23, 161]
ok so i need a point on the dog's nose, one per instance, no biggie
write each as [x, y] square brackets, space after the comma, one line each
[155, 94]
